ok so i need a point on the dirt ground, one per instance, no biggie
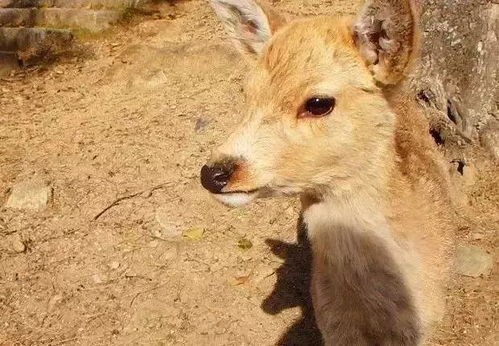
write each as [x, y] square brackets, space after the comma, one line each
[136, 116]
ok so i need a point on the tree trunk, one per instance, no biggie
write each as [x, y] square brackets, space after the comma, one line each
[457, 81]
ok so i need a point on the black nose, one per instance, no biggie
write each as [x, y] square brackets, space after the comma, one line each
[215, 178]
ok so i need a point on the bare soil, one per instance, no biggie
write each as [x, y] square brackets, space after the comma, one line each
[117, 258]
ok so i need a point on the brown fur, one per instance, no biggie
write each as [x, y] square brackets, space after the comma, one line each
[375, 191]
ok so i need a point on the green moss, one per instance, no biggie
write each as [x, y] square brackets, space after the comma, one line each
[85, 34]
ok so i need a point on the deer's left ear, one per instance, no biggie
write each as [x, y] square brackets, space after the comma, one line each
[250, 23]
[387, 36]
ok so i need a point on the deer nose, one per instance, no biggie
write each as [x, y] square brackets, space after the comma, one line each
[215, 178]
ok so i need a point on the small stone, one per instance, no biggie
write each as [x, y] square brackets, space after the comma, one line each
[31, 195]
[114, 265]
[201, 124]
[170, 254]
[18, 245]
[464, 173]
[473, 261]
[477, 236]
[480, 46]
[54, 301]
[169, 229]
[469, 175]
[97, 278]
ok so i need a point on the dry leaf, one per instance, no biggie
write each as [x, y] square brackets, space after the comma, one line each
[240, 280]
[244, 244]
[195, 233]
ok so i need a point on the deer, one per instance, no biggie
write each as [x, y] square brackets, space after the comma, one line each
[329, 118]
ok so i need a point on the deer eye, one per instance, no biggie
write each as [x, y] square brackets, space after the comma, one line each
[317, 107]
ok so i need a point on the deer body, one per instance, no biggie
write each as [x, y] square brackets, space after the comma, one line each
[328, 120]
[380, 262]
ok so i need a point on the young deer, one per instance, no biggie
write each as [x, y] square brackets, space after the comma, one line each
[328, 120]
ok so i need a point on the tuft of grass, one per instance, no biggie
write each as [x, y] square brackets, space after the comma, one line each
[127, 14]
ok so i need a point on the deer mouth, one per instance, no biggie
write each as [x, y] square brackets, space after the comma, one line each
[237, 198]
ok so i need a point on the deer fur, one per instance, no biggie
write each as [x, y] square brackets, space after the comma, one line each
[375, 190]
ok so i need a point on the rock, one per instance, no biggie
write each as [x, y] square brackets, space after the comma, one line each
[98, 278]
[469, 175]
[200, 124]
[473, 261]
[114, 265]
[170, 254]
[54, 301]
[463, 173]
[477, 236]
[17, 244]
[29, 195]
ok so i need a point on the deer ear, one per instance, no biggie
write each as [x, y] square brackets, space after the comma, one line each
[387, 36]
[250, 24]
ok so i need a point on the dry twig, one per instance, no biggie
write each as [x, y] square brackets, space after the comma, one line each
[133, 195]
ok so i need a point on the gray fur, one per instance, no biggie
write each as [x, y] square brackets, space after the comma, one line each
[359, 294]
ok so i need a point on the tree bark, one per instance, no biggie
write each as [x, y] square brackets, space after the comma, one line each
[457, 80]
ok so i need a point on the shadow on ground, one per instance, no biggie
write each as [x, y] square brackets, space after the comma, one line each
[292, 289]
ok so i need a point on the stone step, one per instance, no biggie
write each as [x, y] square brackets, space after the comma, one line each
[33, 39]
[86, 4]
[90, 20]
[8, 62]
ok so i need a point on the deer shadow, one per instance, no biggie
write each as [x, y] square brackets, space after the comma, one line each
[292, 289]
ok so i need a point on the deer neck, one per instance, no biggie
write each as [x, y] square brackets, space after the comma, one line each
[361, 206]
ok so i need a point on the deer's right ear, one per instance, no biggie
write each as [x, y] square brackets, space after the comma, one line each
[250, 24]
[387, 35]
